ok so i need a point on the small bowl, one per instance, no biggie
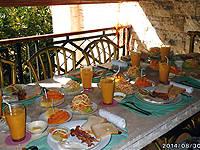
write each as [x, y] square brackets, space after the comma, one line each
[142, 92]
[119, 96]
[37, 124]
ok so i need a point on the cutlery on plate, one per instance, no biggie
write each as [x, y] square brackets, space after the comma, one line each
[143, 112]
[138, 107]
[189, 84]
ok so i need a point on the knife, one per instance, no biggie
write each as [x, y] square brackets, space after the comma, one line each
[136, 109]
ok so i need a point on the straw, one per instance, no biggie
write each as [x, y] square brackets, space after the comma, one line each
[116, 74]
[45, 92]
[141, 73]
[10, 109]
[167, 59]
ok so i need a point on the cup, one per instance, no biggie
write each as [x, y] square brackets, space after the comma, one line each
[107, 89]
[86, 76]
[16, 121]
[164, 51]
[164, 69]
[135, 58]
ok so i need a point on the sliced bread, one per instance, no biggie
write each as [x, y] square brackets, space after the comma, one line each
[161, 88]
[103, 129]
[92, 119]
[175, 91]
[33, 91]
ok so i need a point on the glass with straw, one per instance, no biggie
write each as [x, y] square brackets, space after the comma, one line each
[164, 68]
[15, 115]
[164, 52]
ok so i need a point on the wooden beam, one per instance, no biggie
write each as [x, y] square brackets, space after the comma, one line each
[20, 3]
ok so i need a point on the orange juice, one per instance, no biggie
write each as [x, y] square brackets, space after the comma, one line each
[135, 58]
[107, 89]
[164, 69]
[164, 51]
[16, 121]
[86, 76]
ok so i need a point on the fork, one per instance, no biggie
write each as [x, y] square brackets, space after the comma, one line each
[139, 107]
[189, 84]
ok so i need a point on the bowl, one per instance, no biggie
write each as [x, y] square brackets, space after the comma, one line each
[118, 96]
[36, 127]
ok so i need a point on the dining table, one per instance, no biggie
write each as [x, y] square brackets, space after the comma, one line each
[142, 129]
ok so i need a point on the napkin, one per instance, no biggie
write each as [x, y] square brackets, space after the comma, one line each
[116, 120]
[61, 79]
[119, 63]
[188, 89]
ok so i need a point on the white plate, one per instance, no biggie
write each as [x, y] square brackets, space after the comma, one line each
[150, 88]
[79, 91]
[171, 75]
[71, 125]
[189, 75]
[37, 102]
[159, 101]
[5, 129]
[94, 107]
[44, 118]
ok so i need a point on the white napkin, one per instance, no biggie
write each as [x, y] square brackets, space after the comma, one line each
[119, 63]
[116, 120]
[62, 80]
[188, 89]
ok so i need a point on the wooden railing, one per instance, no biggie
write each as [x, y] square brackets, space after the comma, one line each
[71, 39]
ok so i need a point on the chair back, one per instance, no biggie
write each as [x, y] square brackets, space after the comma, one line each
[100, 51]
[48, 62]
[3, 70]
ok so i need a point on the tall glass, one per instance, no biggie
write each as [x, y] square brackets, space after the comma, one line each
[164, 69]
[164, 51]
[86, 76]
[135, 58]
[16, 121]
[107, 89]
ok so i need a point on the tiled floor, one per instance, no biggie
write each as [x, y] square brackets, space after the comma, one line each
[152, 146]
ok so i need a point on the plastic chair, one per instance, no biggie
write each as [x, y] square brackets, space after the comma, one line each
[100, 51]
[6, 69]
[48, 62]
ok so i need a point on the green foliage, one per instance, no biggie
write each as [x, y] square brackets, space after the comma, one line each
[18, 22]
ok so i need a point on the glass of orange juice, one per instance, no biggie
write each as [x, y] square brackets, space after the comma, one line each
[135, 58]
[16, 121]
[164, 51]
[86, 76]
[107, 88]
[164, 68]
[0, 103]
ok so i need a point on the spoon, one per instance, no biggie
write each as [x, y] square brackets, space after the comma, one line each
[116, 74]
[45, 92]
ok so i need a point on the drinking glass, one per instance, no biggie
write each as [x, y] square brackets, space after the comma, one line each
[164, 51]
[107, 89]
[16, 121]
[164, 68]
[135, 58]
[86, 76]
[0, 103]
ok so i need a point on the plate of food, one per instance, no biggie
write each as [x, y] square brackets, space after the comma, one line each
[153, 64]
[154, 52]
[193, 75]
[82, 105]
[125, 87]
[76, 134]
[142, 82]
[161, 95]
[57, 96]
[56, 116]
[97, 72]
[71, 88]
[133, 72]
[22, 91]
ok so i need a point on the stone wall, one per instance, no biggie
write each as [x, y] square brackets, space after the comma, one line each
[172, 19]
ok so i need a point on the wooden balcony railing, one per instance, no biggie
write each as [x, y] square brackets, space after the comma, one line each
[75, 40]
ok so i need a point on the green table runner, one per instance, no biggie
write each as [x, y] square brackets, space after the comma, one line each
[42, 144]
[156, 110]
[189, 81]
